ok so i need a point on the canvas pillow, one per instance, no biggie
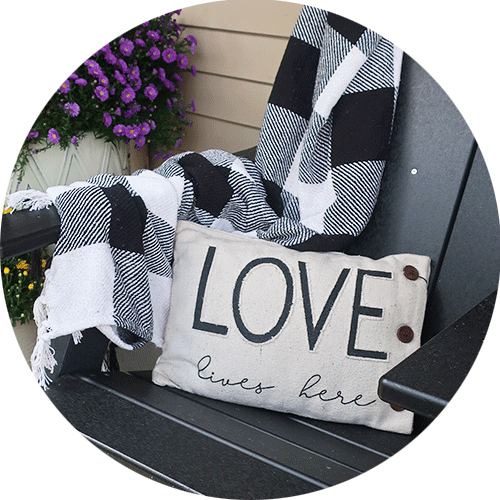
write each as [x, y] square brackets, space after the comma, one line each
[255, 323]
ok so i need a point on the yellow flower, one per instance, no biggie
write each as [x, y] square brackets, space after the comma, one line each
[6, 270]
[25, 273]
[44, 262]
[7, 210]
[31, 286]
[22, 264]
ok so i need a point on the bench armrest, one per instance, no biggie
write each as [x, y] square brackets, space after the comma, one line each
[426, 381]
[24, 231]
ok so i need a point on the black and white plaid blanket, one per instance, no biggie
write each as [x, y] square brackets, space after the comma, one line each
[313, 186]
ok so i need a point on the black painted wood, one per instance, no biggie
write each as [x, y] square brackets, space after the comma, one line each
[471, 265]
[26, 230]
[430, 157]
[211, 447]
[84, 357]
[426, 381]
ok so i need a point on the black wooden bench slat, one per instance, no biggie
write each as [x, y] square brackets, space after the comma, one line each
[174, 422]
[359, 446]
[427, 380]
[360, 452]
[179, 452]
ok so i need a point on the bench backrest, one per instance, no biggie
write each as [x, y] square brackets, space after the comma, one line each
[436, 199]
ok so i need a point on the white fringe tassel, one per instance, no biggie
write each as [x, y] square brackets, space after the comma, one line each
[42, 358]
[77, 337]
[30, 198]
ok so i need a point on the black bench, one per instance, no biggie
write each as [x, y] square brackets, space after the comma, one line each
[436, 199]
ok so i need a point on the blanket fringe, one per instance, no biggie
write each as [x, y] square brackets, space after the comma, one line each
[30, 198]
[77, 337]
[42, 358]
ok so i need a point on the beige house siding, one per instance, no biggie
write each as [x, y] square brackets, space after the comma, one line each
[240, 46]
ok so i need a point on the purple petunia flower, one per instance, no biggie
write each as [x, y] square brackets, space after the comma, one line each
[145, 128]
[72, 108]
[73, 76]
[192, 41]
[65, 87]
[154, 53]
[53, 136]
[136, 84]
[170, 86]
[193, 70]
[140, 42]
[118, 111]
[126, 46]
[153, 35]
[169, 104]
[33, 134]
[120, 77]
[103, 80]
[145, 25]
[119, 130]
[93, 67]
[193, 109]
[152, 124]
[177, 77]
[128, 95]
[169, 55]
[96, 72]
[132, 111]
[134, 72]
[178, 143]
[122, 65]
[81, 82]
[131, 131]
[110, 58]
[101, 92]
[107, 119]
[151, 92]
[140, 141]
[74, 140]
[182, 61]
[91, 64]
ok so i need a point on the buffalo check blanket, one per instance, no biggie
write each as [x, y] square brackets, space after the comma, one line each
[313, 185]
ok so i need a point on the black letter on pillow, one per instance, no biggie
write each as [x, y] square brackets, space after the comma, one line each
[358, 310]
[313, 331]
[257, 338]
[198, 324]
